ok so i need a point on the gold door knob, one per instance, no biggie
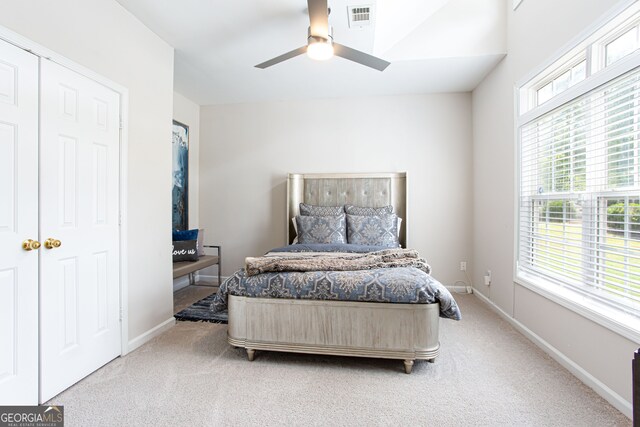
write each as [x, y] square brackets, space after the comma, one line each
[51, 243]
[30, 245]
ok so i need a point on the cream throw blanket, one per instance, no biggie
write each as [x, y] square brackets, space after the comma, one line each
[387, 258]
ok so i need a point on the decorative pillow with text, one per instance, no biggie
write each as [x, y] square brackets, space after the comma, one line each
[185, 250]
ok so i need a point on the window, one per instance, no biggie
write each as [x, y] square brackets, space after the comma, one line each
[579, 174]
[563, 82]
[580, 193]
[616, 40]
[621, 46]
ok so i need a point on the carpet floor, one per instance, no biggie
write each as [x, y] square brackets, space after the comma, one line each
[487, 374]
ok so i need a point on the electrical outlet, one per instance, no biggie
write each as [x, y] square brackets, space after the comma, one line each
[463, 266]
[487, 278]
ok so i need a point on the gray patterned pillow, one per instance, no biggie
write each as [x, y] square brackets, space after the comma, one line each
[379, 230]
[322, 229]
[312, 210]
[359, 210]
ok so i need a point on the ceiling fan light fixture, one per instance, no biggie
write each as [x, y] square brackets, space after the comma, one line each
[320, 45]
[319, 50]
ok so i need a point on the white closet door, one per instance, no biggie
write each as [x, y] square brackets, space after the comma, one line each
[18, 222]
[79, 192]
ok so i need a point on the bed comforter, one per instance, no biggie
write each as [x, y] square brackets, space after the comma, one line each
[408, 285]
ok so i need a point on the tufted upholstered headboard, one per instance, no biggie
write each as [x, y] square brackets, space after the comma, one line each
[359, 189]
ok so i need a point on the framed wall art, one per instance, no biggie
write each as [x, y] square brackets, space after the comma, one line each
[180, 191]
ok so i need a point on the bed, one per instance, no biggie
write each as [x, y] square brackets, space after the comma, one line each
[309, 311]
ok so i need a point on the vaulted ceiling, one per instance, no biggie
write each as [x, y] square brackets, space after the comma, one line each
[433, 46]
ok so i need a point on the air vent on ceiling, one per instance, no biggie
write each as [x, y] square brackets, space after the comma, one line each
[360, 16]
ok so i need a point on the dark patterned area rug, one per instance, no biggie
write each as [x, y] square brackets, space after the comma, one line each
[201, 312]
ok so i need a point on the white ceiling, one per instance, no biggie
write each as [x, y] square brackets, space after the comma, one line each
[433, 46]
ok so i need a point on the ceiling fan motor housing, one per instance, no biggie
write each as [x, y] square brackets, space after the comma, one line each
[320, 39]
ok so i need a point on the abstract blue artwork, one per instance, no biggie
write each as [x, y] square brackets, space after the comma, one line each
[180, 193]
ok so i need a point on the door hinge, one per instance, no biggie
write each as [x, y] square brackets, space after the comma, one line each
[121, 314]
[121, 125]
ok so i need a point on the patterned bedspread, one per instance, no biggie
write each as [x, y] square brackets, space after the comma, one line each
[407, 285]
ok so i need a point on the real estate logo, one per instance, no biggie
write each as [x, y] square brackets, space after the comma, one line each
[31, 416]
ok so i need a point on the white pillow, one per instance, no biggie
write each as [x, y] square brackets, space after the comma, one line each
[295, 227]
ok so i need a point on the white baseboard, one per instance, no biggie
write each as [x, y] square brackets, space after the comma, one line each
[598, 386]
[150, 334]
[210, 278]
[180, 282]
[458, 289]
[183, 282]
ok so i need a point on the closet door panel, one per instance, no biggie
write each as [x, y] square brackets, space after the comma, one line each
[79, 197]
[18, 222]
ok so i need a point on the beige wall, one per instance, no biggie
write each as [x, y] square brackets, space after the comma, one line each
[536, 31]
[247, 150]
[188, 112]
[102, 36]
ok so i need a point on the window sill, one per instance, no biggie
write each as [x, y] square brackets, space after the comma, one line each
[625, 325]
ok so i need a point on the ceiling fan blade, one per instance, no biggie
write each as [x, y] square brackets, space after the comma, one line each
[319, 18]
[283, 57]
[360, 57]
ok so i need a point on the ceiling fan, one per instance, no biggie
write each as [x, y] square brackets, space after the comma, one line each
[320, 44]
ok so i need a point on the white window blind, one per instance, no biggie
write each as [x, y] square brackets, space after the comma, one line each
[579, 213]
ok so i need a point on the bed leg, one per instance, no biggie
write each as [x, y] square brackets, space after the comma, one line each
[251, 354]
[408, 365]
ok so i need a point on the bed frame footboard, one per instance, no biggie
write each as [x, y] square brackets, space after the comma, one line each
[343, 328]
